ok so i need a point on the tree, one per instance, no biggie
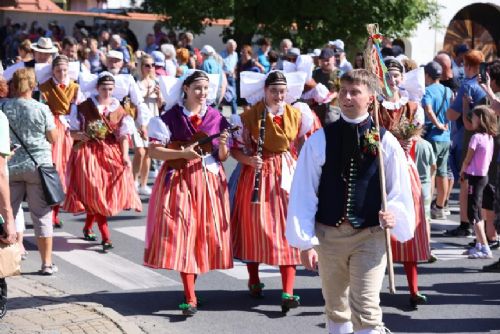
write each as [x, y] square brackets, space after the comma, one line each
[309, 24]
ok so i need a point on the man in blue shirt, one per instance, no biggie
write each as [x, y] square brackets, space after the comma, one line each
[470, 89]
[117, 44]
[264, 47]
[150, 44]
[435, 103]
[211, 65]
[230, 59]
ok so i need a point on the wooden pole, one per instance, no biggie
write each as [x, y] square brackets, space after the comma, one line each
[387, 233]
[371, 64]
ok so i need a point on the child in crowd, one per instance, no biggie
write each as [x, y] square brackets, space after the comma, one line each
[475, 169]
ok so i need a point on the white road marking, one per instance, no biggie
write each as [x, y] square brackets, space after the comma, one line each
[110, 267]
[239, 271]
[136, 232]
[445, 252]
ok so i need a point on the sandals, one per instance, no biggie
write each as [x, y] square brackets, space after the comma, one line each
[256, 290]
[289, 301]
[89, 235]
[188, 309]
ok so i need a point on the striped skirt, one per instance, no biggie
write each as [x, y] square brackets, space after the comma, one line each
[416, 249]
[61, 150]
[98, 182]
[188, 226]
[259, 229]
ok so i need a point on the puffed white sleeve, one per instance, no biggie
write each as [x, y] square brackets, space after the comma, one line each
[127, 127]
[398, 188]
[143, 112]
[307, 118]
[237, 136]
[303, 200]
[158, 131]
[73, 120]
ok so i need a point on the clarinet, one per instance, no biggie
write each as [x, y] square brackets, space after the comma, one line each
[260, 143]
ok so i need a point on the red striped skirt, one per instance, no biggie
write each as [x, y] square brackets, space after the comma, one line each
[416, 249]
[188, 226]
[259, 229]
[98, 182]
[61, 149]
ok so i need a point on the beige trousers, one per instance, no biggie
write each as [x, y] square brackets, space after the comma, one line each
[352, 265]
[29, 184]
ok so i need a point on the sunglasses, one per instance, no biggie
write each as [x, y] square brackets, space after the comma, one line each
[147, 65]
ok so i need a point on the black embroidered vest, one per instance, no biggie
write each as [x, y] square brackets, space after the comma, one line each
[349, 188]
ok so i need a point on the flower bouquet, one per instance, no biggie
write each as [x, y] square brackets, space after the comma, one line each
[96, 130]
[407, 129]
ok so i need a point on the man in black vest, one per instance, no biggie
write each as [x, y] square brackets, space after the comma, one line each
[335, 215]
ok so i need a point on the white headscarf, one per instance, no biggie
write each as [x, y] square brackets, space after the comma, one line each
[171, 88]
[304, 63]
[252, 86]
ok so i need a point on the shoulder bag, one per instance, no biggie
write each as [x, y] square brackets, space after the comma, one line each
[51, 183]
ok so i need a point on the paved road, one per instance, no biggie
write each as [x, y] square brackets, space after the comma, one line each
[462, 299]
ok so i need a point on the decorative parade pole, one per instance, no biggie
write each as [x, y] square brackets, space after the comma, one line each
[374, 64]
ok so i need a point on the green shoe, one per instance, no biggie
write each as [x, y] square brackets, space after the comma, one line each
[58, 223]
[418, 299]
[289, 301]
[89, 235]
[106, 245]
[188, 309]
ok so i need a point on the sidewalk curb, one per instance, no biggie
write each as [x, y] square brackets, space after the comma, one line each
[23, 287]
[123, 323]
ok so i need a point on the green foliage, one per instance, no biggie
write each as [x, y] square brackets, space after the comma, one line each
[309, 24]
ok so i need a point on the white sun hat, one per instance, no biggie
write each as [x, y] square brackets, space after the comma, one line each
[44, 45]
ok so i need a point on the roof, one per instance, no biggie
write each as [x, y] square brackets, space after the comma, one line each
[110, 16]
[34, 5]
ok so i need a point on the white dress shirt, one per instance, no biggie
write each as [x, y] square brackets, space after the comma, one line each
[303, 202]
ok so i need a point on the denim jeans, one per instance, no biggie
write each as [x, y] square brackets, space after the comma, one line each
[231, 82]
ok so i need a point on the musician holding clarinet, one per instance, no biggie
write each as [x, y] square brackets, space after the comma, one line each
[188, 216]
[267, 149]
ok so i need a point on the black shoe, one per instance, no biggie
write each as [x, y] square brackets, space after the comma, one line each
[89, 235]
[494, 244]
[492, 268]
[418, 299]
[3, 297]
[106, 245]
[58, 223]
[289, 301]
[188, 309]
[256, 290]
[3, 307]
[458, 232]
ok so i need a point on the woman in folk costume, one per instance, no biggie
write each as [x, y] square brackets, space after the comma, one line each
[100, 180]
[59, 93]
[259, 228]
[396, 114]
[188, 216]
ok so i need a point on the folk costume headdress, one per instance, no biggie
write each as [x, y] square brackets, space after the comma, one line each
[252, 85]
[105, 78]
[171, 87]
